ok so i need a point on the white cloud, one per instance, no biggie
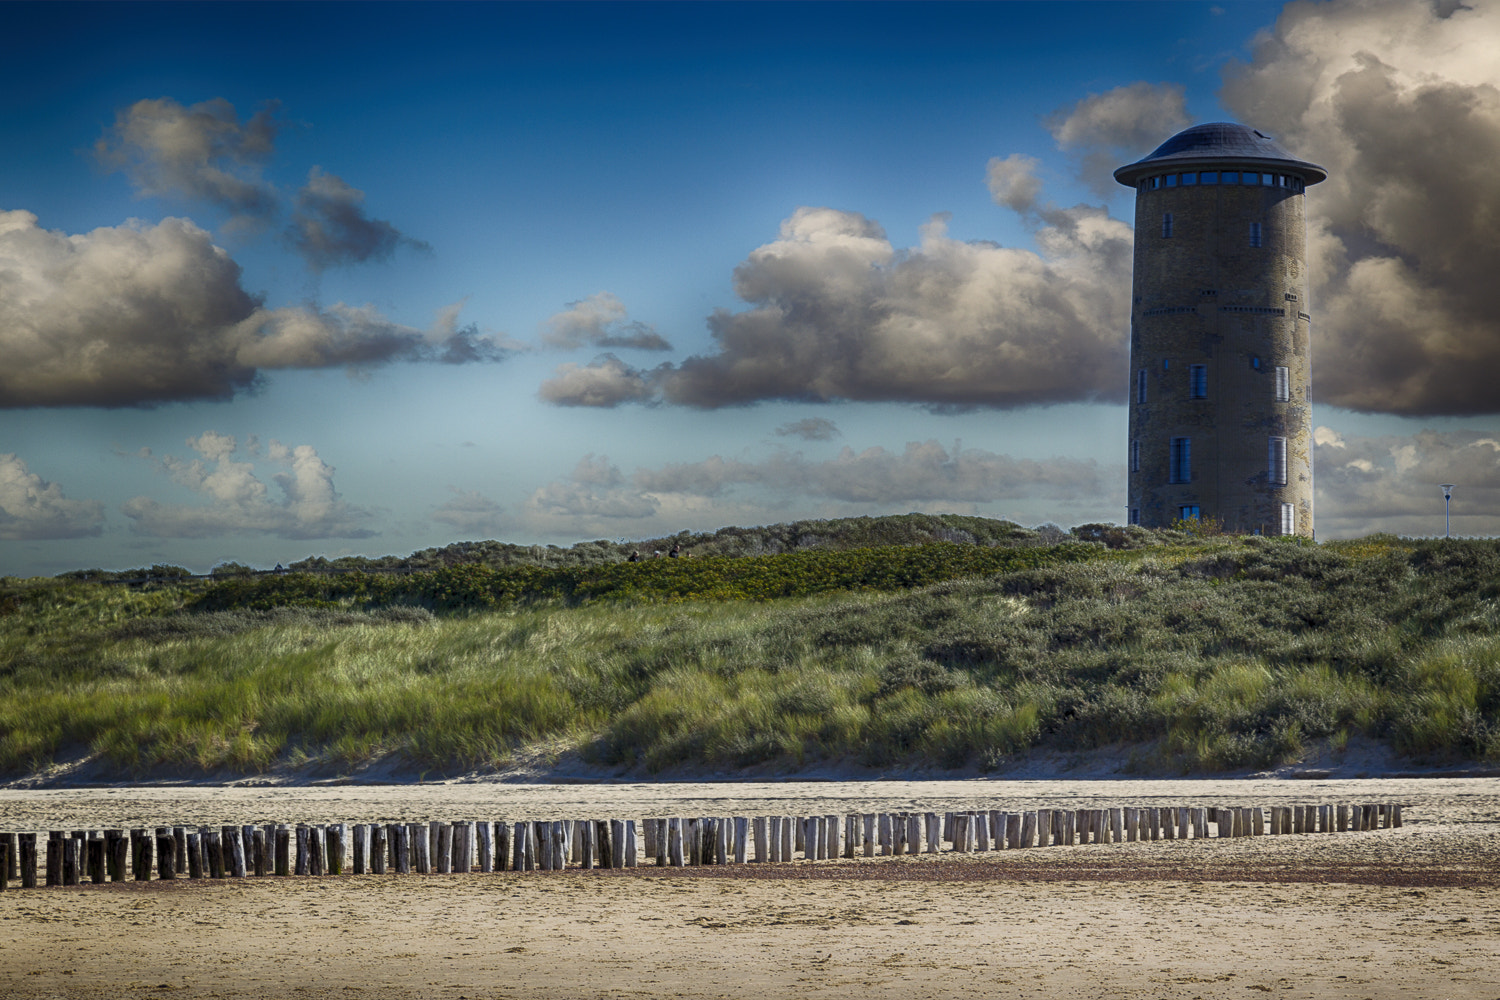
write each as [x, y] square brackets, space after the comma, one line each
[837, 312]
[141, 314]
[31, 508]
[238, 501]
[601, 321]
[1118, 126]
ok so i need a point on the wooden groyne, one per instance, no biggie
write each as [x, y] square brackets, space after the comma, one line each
[67, 858]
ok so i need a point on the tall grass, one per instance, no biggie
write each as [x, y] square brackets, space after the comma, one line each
[1229, 653]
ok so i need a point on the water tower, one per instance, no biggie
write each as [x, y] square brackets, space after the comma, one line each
[1220, 370]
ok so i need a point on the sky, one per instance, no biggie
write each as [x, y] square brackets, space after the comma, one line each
[289, 280]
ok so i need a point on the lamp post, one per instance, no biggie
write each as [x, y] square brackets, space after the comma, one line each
[1447, 500]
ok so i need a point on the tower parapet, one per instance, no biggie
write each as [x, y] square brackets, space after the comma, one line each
[1220, 362]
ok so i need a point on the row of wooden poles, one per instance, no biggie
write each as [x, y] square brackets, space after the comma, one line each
[550, 845]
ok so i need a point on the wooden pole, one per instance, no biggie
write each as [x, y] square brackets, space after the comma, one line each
[741, 838]
[258, 852]
[96, 860]
[787, 834]
[444, 854]
[216, 854]
[1395, 814]
[632, 861]
[674, 842]
[71, 863]
[235, 842]
[13, 854]
[913, 834]
[166, 856]
[26, 847]
[502, 845]
[195, 855]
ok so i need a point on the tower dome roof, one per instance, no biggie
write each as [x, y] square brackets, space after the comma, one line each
[1219, 144]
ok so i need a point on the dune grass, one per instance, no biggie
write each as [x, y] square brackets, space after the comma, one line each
[1227, 653]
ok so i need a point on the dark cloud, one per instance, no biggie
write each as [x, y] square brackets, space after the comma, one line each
[1401, 102]
[329, 225]
[140, 314]
[203, 153]
[810, 429]
[601, 321]
[837, 313]
[32, 508]
[238, 502]
[1391, 482]
[1118, 126]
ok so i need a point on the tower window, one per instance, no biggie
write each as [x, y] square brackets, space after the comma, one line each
[1283, 384]
[1181, 465]
[1171, 180]
[1140, 386]
[1135, 515]
[1135, 456]
[1276, 460]
[1255, 234]
[1166, 225]
[1255, 363]
[1288, 519]
[1198, 381]
[1188, 180]
[1231, 176]
[1208, 177]
[1190, 512]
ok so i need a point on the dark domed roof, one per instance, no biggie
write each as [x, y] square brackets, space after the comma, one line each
[1219, 143]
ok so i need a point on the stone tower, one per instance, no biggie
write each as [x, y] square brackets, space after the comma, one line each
[1220, 419]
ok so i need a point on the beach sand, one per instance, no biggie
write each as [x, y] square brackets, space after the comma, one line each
[1408, 912]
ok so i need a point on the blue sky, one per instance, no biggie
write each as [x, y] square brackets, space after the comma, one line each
[278, 281]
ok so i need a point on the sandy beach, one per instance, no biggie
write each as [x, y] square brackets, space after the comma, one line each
[1409, 912]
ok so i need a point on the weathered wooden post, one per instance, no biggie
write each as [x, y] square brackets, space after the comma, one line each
[674, 842]
[603, 836]
[93, 859]
[443, 856]
[631, 858]
[235, 844]
[1395, 814]
[787, 837]
[12, 846]
[215, 853]
[502, 845]
[914, 833]
[166, 857]
[71, 862]
[26, 847]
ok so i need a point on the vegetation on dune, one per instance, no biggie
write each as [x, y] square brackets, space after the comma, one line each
[1214, 652]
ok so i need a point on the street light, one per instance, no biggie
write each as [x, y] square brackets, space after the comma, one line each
[1447, 500]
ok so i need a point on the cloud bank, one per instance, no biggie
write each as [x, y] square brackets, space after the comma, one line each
[1119, 126]
[1390, 483]
[142, 314]
[839, 313]
[238, 502]
[1400, 102]
[33, 509]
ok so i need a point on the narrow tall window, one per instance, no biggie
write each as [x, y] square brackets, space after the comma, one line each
[1135, 515]
[1181, 465]
[1288, 519]
[1255, 234]
[1135, 456]
[1198, 381]
[1276, 461]
[1190, 512]
[1140, 386]
[1283, 384]
[1166, 225]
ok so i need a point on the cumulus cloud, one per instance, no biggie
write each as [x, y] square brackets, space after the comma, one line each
[142, 314]
[1390, 483]
[31, 508]
[237, 501]
[203, 153]
[329, 225]
[1401, 103]
[472, 514]
[810, 429]
[606, 381]
[838, 312]
[601, 321]
[1118, 126]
